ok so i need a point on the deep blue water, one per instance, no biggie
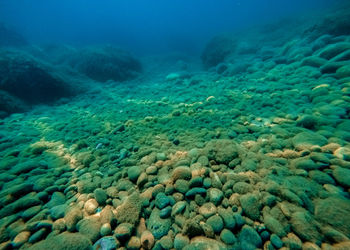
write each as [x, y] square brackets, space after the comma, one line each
[141, 26]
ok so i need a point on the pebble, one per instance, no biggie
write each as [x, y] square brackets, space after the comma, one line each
[134, 173]
[106, 229]
[208, 209]
[182, 186]
[197, 190]
[123, 231]
[178, 208]
[216, 223]
[162, 200]
[100, 196]
[181, 241]
[276, 241]
[228, 237]
[106, 243]
[147, 239]
[215, 195]
[90, 206]
[134, 243]
[165, 212]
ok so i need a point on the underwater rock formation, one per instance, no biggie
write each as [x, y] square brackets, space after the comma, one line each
[30, 80]
[106, 63]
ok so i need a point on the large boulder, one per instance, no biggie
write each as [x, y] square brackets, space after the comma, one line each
[106, 63]
[30, 80]
[217, 50]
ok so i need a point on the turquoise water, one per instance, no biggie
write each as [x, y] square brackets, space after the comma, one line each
[157, 130]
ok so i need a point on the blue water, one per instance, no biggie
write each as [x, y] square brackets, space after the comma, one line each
[185, 124]
[153, 26]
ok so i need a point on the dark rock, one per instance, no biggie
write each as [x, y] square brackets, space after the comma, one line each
[158, 226]
[106, 63]
[217, 50]
[30, 80]
[249, 238]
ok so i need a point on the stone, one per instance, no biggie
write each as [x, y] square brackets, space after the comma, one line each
[321, 177]
[201, 242]
[72, 217]
[90, 227]
[313, 61]
[123, 231]
[90, 206]
[130, 210]
[207, 209]
[251, 206]
[158, 226]
[71, 241]
[242, 188]
[304, 226]
[181, 173]
[58, 212]
[20, 239]
[100, 196]
[166, 242]
[165, 212]
[215, 195]
[343, 72]
[162, 200]
[182, 186]
[276, 241]
[106, 243]
[147, 239]
[193, 191]
[274, 226]
[31, 212]
[37, 236]
[227, 237]
[178, 208]
[134, 243]
[307, 121]
[228, 218]
[181, 241]
[216, 223]
[333, 50]
[57, 198]
[249, 239]
[306, 140]
[334, 211]
[105, 229]
[342, 176]
[20, 204]
[305, 163]
[134, 173]
[222, 150]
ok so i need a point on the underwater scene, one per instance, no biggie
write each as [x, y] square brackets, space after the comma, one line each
[191, 125]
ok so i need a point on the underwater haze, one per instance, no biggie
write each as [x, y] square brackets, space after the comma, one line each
[195, 124]
[144, 26]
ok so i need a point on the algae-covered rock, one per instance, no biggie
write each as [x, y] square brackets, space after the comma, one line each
[222, 151]
[29, 79]
[308, 139]
[158, 226]
[343, 71]
[129, 211]
[64, 241]
[106, 63]
[304, 226]
[201, 242]
[342, 176]
[334, 211]
[251, 206]
[217, 50]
